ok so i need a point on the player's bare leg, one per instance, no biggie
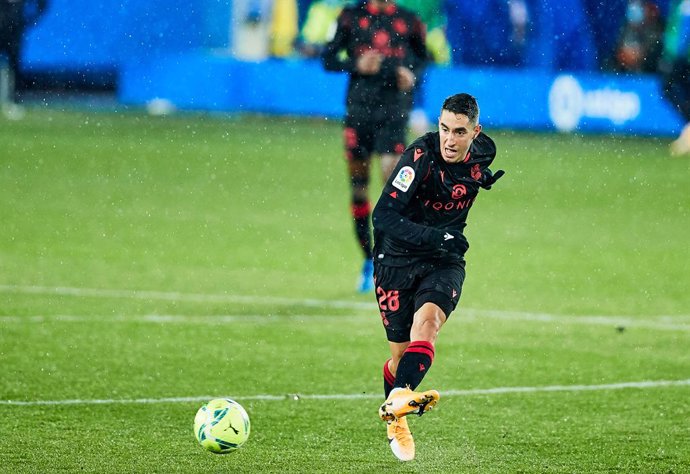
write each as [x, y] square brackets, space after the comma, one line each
[388, 163]
[427, 323]
[681, 146]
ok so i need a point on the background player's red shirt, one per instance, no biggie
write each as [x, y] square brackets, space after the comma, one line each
[395, 32]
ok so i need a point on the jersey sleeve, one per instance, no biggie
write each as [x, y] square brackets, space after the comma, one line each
[331, 57]
[389, 214]
[485, 152]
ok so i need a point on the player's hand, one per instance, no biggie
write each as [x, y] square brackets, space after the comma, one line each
[406, 79]
[446, 240]
[369, 63]
[453, 241]
[489, 180]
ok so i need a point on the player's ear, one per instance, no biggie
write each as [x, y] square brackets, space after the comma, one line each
[477, 130]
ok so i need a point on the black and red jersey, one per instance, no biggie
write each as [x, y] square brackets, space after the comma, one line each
[425, 191]
[392, 30]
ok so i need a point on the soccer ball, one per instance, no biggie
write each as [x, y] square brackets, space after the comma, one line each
[221, 426]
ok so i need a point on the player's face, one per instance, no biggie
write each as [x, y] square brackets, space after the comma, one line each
[456, 132]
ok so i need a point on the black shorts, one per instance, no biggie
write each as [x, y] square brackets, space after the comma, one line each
[401, 291]
[364, 135]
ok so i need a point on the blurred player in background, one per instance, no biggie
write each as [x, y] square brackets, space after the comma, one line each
[640, 41]
[15, 16]
[382, 47]
[675, 68]
[419, 253]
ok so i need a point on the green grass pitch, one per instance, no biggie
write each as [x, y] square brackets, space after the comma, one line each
[149, 264]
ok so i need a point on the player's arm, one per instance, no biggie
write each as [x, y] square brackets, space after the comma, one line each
[388, 217]
[332, 57]
[410, 68]
[389, 213]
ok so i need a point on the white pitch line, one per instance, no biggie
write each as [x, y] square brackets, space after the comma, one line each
[188, 297]
[465, 315]
[661, 323]
[273, 300]
[165, 318]
[646, 384]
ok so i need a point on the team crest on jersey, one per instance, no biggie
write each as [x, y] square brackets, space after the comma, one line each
[404, 178]
[459, 190]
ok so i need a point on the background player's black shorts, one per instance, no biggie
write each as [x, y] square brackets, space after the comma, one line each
[365, 135]
[401, 291]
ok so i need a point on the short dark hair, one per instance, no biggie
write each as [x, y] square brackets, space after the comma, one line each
[464, 104]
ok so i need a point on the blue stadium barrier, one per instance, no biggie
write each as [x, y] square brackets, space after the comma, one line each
[524, 99]
[86, 36]
[218, 82]
[89, 36]
[538, 100]
[163, 48]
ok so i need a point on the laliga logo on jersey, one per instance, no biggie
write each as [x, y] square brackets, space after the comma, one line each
[459, 190]
[569, 103]
[404, 178]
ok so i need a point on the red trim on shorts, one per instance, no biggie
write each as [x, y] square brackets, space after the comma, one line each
[387, 375]
[422, 347]
[361, 210]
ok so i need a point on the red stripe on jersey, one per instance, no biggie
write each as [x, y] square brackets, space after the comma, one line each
[387, 374]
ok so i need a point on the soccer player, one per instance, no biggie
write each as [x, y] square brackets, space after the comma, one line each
[382, 47]
[419, 249]
[675, 69]
[15, 17]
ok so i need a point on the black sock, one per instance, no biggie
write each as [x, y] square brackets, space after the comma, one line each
[414, 364]
[388, 379]
[361, 212]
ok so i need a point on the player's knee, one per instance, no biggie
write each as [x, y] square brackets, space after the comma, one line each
[426, 330]
[427, 322]
[388, 163]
